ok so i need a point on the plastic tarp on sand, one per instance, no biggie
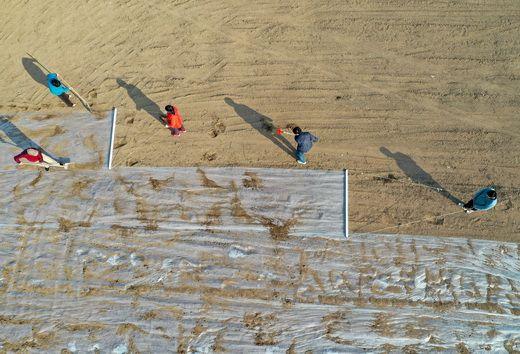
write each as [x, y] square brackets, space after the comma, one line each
[232, 259]
[304, 203]
[79, 138]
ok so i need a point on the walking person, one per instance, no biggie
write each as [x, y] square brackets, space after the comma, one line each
[173, 120]
[484, 199]
[305, 141]
[58, 89]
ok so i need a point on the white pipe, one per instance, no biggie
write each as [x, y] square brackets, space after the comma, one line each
[346, 203]
[112, 136]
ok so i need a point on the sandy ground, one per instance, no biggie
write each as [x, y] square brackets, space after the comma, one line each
[425, 91]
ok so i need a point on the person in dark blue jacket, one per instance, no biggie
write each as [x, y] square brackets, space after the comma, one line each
[305, 141]
[58, 89]
[484, 199]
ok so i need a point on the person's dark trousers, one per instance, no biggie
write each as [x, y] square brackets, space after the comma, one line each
[65, 97]
[469, 205]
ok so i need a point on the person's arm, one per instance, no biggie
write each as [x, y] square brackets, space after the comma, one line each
[58, 76]
[66, 89]
[178, 113]
[314, 138]
[164, 119]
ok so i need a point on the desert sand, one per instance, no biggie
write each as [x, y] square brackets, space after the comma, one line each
[427, 93]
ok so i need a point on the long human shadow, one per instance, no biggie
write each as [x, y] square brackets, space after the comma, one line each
[417, 174]
[142, 102]
[263, 124]
[34, 71]
[22, 141]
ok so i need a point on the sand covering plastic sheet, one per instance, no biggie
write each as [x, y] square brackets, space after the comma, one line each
[283, 202]
[78, 138]
[225, 259]
[130, 289]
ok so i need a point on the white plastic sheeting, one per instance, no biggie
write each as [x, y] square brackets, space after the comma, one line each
[303, 203]
[223, 259]
[78, 138]
[128, 289]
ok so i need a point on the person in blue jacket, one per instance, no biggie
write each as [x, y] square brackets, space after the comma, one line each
[305, 141]
[484, 199]
[58, 89]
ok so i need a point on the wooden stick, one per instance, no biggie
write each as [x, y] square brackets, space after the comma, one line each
[45, 165]
[280, 131]
[36, 60]
[83, 101]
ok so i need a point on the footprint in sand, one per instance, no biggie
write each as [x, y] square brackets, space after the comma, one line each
[208, 156]
[217, 127]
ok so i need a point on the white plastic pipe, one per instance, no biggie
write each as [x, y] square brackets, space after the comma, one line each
[112, 136]
[346, 203]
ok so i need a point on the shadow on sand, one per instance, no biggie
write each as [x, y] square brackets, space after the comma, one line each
[35, 71]
[263, 124]
[22, 141]
[417, 174]
[142, 102]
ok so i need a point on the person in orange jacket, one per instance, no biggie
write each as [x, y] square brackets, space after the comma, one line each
[173, 120]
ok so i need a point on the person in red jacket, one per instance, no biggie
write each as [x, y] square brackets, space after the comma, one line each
[173, 120]
[32, 156]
